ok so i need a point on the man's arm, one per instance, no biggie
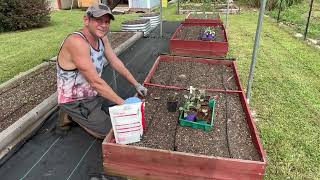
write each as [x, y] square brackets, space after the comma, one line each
[80, 54]
[116, 63]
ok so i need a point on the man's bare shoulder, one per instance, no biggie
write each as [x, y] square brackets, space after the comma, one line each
[76, 41]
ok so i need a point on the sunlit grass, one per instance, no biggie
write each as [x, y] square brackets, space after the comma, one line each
[285, 94]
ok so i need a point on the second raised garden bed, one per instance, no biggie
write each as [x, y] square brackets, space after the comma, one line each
[143, 25]
[199, 17]
[187, 40]
[231, 150]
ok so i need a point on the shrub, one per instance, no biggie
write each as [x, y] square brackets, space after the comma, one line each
[23, 14]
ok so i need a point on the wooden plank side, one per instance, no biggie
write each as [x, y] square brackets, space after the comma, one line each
[253, 129]
[153, 69]
[198, 48]
[133, 172]
[234, 66]
[177, 162]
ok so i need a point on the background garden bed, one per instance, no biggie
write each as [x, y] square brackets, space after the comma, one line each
[213, 7]
[186, 40]
[198, 17]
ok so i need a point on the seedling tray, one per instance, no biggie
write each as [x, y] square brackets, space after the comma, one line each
[194, 17]
[200, 124]
[198, 48]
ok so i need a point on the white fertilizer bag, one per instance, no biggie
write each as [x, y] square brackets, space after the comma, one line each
[127, 122]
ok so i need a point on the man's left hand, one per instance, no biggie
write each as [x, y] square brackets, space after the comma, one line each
[141, 89]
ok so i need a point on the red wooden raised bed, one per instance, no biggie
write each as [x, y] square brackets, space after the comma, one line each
[195, 47]
[201, 18]
[148, 163]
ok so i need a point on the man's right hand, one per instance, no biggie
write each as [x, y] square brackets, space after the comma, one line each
[141, 89]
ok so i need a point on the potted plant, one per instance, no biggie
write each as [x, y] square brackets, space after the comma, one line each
[208, 35]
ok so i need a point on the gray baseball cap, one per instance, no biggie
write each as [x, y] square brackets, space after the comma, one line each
[98, 10]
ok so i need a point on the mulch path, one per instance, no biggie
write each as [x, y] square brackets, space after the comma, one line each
[22, 96]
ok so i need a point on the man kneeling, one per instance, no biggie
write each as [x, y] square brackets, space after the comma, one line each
[80, 63]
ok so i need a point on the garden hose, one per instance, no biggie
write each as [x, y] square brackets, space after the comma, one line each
[226, 112]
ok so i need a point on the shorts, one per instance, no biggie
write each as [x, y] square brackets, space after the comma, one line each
[89, 113]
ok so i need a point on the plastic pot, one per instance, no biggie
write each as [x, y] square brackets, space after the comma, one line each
[172, 106]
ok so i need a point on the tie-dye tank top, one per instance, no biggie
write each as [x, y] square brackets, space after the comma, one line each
[71, 84]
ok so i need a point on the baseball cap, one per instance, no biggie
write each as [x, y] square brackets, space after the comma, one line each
[98, 10]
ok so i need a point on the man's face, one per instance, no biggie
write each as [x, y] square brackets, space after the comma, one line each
[98, 26]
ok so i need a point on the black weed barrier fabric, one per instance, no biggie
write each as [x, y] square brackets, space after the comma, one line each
[77, 155]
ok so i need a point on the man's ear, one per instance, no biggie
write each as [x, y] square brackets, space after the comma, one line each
[86, 20]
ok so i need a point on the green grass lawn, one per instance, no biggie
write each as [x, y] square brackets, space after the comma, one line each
[23, 50]
[285, 92]
[297, 15]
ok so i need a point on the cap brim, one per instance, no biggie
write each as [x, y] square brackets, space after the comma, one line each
[104, 13]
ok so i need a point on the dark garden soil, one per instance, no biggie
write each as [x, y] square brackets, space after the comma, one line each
[118, 38]
[229, 138]
[22, 96]
[161, 124]
[149, 14]
[195, 32]
[196, 74]
[137, 21]
[25, 94]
